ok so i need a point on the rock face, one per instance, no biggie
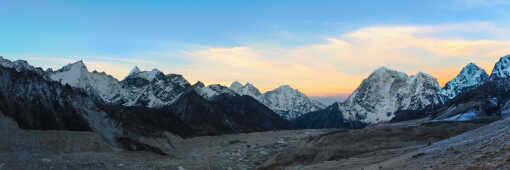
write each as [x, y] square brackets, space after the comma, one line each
[99, 85]
[20, 65]
[193, 110]
[471, 76]
[330, 117]
[487, 101]
[501, 69]
[145, 111]
[225, 114]
[211, 91]
[486, 147]
[247, 89]
[287, 102]
[153, 89]
[476, 98]
[36, 102]
[386, 91]
[377, 99]
[140, 88]
[354, 149]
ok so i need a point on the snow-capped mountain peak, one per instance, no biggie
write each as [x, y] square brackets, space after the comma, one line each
[247, 89]
[198, 84]
[284, 100]
[236, 85]
[222, 89]
[386, 91]
[213, 90]
[20, 65]
[140, 88]
[290, 103]
[470, 76]
[72, 74]
[501, 69]
[204, 91]
[382, 71]
[134, 70]
[284, 87]
[148, 75]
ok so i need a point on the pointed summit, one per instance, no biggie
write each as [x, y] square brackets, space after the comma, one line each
[287, 89]
[290, 103]
[285, 86]
[382, 71]
[287, 102]
[247, 89]
[134, 70]
[198, 84]
[470, 76]
[470, 68]
[148, 75]
[73, 74]
[77, 66]
[385, 92]
[501, 69]
[236, 84]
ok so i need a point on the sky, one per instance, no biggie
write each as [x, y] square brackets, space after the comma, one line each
[321, 47]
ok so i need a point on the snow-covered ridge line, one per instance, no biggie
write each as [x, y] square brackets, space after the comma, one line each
[387, 91]
[21, 65]
[501, 69]
[289, 103]
[470, 76]
[141, 88]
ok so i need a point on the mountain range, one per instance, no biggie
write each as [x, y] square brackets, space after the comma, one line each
[287, 102]
[142, 112]
[388, 95]
[376, 100]
[148, 107]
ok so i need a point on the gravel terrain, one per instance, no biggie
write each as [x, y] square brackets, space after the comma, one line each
[357, 149]
[487, 147]
[28, 149]
[407, 145]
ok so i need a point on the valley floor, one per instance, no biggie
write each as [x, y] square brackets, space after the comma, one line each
[482, 148]
[28, 149]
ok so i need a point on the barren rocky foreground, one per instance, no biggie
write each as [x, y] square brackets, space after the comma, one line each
[23, 149]
[405, 145]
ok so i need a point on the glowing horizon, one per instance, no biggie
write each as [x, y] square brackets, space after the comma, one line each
[443, 76]
[322, 48]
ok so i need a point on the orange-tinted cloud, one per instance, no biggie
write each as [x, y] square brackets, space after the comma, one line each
[340, 63]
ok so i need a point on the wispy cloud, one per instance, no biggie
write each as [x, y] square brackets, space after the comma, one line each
[335, 65]
[340, 63]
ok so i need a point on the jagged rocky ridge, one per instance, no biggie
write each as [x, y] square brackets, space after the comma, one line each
[377, 99]
[287, 102]
[35, 101]
[330, 117]
[487, 99]
[154, 89]
[502, 69]
[199, 106]
[470, 76]
[151, 89]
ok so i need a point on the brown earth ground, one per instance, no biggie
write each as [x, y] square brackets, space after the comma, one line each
[406, 145]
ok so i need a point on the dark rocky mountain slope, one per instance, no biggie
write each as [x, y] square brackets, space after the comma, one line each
[226, 114]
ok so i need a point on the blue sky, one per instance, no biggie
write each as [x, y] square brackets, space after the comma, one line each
[182, 36]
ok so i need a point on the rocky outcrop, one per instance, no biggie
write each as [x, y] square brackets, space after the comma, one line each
[470, 76]
[287, 102]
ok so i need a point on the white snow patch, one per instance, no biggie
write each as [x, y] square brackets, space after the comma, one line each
[462, 117]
